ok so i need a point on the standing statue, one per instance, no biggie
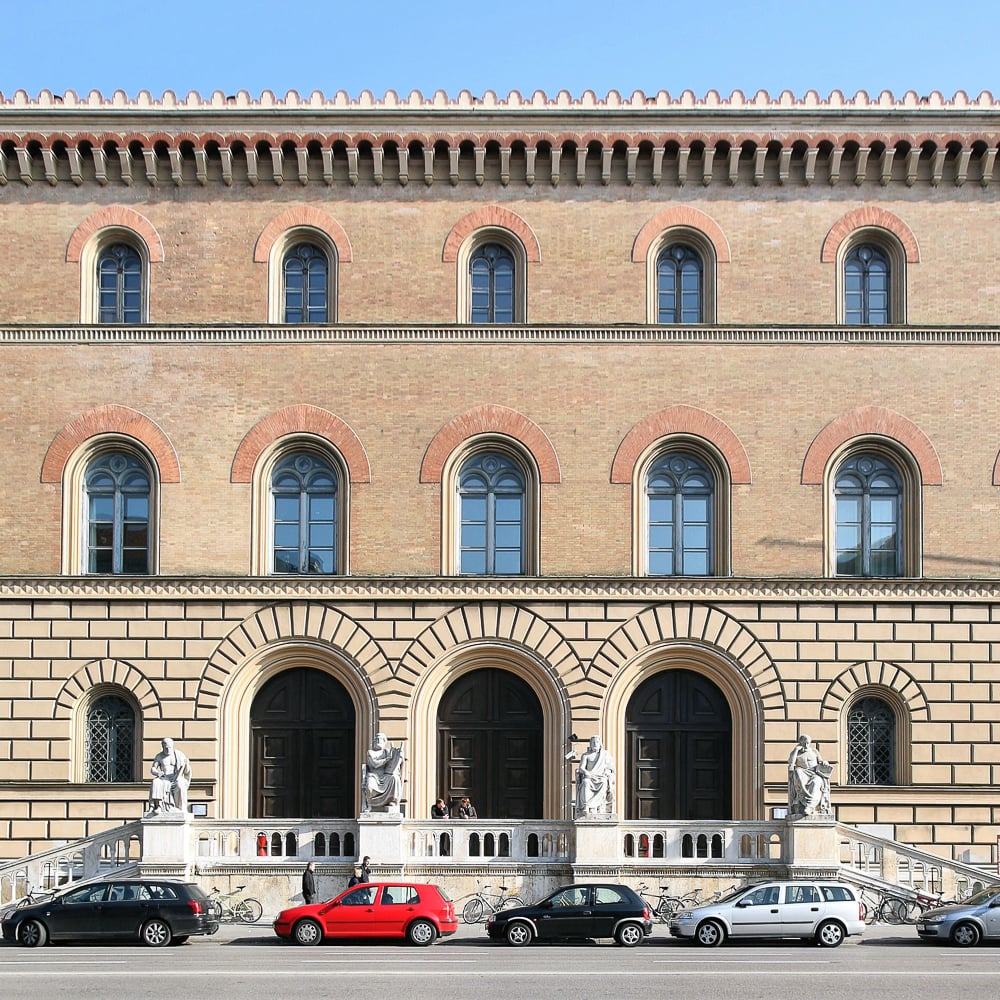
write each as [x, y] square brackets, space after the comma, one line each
[595, 781]
[382, 777]
[808, 781]
[171, 772]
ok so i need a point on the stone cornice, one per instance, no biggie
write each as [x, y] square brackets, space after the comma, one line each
[880, 336]
[493, 589]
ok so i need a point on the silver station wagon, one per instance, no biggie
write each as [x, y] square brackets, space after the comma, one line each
[821, 911]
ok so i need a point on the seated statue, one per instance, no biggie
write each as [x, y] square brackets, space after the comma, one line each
[382, 777]
[595, 781]
[808, 781]
[171, 772]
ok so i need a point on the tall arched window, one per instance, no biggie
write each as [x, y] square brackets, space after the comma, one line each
[491, 499]
[304, 522]
[305, 276]
[109, 751]
[867, 300]
[492, 276]
[871, 742]
[117, 505]
[679, 285]
[119, 285]
[680, 501]
[868, 505]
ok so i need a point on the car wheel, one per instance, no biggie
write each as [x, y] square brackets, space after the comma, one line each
[180, 939]
[32, 934]
[710, 934]
[156, 933]
[307, 932]
[518, 933]
[829, 934]
[421, 932]
[629, 935]
[965, 935]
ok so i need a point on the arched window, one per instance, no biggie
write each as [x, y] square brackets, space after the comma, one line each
[491, 281]
[679, 285]
[119, 285]
[868, 503]
[304, 521]
[109, 752]
[867, 299]
[305, 278]
[871, 742]
[680, 505]
[117, 511]
[491, 528]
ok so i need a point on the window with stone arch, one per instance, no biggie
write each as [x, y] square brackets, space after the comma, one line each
[115, 284]
[871, 741]
[683, 516]
[874, 514]
[492, 278]
[493, 512]
[110, 738]
[303, 278]
[681, 276]
[872, 279]
[301, 501]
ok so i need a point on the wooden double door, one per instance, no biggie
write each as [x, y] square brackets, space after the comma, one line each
[302, 725]
[490, 745]
[679, 736]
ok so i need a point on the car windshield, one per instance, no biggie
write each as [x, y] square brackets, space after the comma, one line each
[983, 896]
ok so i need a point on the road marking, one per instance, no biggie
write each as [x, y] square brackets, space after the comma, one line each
[509, 973]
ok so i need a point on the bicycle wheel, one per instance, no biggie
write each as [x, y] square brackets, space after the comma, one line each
[893, 910]
[473, 911]
[248, 910]
[510, 901]
[666, 908]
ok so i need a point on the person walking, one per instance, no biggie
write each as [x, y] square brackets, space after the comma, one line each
[309, 884]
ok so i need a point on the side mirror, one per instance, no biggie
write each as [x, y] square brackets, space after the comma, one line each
[743, 903]
[547, 905]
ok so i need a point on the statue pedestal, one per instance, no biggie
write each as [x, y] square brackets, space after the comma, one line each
[596, 839]
[380, 835]
[812, 841]
[166, 838]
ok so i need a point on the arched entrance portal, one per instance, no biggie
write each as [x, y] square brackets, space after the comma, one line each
[302, 747]
[679, 732]
[490, 744]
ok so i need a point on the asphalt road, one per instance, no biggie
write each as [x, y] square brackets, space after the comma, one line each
[249, 962]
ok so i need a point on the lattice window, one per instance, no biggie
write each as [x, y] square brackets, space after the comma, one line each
[871, 743]
[110, 741]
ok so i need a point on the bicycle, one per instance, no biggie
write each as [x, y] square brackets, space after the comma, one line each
[246, 910]
[484, 902]
[665, 906]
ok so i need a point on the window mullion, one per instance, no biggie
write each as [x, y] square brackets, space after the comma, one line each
[304, 530]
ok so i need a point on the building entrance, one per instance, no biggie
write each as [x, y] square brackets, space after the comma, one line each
[679, 736]
[490, 745]
[302, 735]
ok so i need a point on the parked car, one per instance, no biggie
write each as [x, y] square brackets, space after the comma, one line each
[825, 912]
[418, 911]
[157, 912]
[964, 924]
[576, 911]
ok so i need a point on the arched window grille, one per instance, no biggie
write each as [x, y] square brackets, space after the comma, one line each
[119, 285]
[492, 278]
[679, 285]
[866, 286]
[117, 488]
[871, 742]
[680, 492]
[306, 284]
[109, 752]
[868, 499]
[304, 511]
[491, 489]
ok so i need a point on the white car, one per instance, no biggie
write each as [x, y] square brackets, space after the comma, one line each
[822, 911]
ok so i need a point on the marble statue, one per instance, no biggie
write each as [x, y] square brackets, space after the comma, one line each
[595, 781]
[382, 777]
[171, 772]
[808, 781]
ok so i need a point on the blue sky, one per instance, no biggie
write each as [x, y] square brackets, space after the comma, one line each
[257, 45]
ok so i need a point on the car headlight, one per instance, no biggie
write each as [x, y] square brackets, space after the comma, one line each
[685, 916]
[936, 919]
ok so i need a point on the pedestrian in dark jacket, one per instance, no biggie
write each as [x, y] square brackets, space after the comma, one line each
[309, 883]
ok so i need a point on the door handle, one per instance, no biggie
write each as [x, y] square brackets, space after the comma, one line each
[775, 910]
[814, 909]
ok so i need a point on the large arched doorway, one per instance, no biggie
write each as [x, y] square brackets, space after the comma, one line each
[302, 746]
[490, 744]
[679, 733]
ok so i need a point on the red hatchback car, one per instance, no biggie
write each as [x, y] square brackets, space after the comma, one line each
[418, 911]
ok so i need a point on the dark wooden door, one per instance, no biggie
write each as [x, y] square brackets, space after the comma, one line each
[679, 732]
[490, 745]
[302, 726]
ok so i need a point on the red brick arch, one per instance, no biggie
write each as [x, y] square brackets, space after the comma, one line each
[301, 419]
[871, 421]
[681, 420]
[870, 217]
[490, 419]
[111, 420]
[122, 218]
[681, 215]
[483, 218]
[308, 217]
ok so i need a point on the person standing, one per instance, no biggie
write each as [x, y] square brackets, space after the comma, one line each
[439, 810]
[309, 884]
[466, 810]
